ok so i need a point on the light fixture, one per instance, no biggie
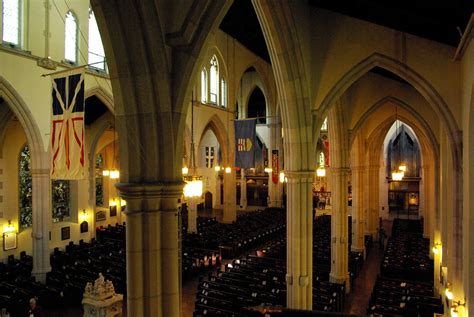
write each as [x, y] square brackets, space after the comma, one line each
[402, 167]
[321, 171]
[193, 186]
[448, 292]
[185, 170]
[83, 215]
[436, 248]
[105, 173]
[9, 227]
[228, 170]
[217, 168]
[268, 169]
[454, 309]
[114, 174]
[282, 177]
[397, 176]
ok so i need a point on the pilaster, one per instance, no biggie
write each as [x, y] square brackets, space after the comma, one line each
[230, 212]
[358, 221]
[243, 190]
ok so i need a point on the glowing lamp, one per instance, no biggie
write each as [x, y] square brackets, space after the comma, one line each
[105, 173]
[268, 169]
[83, 215]
[9, 227]
[397, 176]
[185, 170]
[217, 168]
[282, 177]
[228, 170]
[402, 168]
[448, 293]
[114, 174]
[436, 248]
[321, 172]
[123, 202]
[193, 187]
[454, 312]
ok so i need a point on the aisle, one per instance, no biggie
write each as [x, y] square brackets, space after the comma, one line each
[358, 300]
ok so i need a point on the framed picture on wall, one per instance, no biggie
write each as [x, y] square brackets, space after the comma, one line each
[9, 241]
[113, 211]
[100, 215]
[65, 233]
[84, 227]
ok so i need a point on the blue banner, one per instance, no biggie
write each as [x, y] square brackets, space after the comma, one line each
[245, 143]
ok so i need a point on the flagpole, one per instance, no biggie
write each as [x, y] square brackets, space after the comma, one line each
[69, 69]
[260, 117]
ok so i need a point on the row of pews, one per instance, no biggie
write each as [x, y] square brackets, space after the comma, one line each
[405, 284]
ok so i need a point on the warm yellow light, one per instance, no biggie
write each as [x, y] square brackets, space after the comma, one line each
[83, 215]
[454, 312]
[217, 168]
[402, 168]
[114, 174]
[321, 172]
[193, 188]
[448, 293]
[282, 177]
[228, 170]
[123, 202]
[185, 170]
[435, 250]
[105, 173]
[268, 169]
[112, 202]
[397, 176]
[9, 227]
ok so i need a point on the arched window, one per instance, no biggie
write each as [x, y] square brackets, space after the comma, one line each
[11, 18]
[223, 93]
[96, 49]
[60, 201]
[70, 38]
[204, 85]
[214, 79]
[99, 180]
[324, 126]
[25, 189]
[321, 160]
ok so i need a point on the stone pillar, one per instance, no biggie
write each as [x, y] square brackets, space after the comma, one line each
[243, 189]
[299, 233]
[339, 228]
[192, 215]
[275, 191]
[217, 199]
[372, 198]
[153, 268]
[358, 221]
[41, 187]
[230, 212]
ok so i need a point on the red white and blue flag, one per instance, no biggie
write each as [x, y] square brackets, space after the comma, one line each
[67, 126]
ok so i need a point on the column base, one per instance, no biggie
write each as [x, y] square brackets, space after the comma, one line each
[341, 280]
[373, 234]
[40, 275]
[361, 250]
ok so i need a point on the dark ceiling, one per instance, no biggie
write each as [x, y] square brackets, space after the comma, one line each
[437, 20]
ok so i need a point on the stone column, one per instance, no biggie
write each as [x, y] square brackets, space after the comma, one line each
[358, 221]
[372, 198]
[153, 274]
[230, 212]
[192, 215]
[299, 232]
[339, 228]
[217, 199]
[243, 190]
[41, 187]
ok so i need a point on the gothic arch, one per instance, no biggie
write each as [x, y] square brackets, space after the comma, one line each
[217, 127]
[104, 96]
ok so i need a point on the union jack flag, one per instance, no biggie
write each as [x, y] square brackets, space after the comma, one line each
[67, 126]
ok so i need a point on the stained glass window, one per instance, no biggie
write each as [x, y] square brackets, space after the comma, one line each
[25, 189]
[214, 79]
[11, 21]
[70, 38]
[61, 201]
[99, 181]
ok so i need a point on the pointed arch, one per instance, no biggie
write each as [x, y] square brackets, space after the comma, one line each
[216, 125]
[103, 95]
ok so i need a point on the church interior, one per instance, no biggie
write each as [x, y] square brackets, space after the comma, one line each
[236, 158]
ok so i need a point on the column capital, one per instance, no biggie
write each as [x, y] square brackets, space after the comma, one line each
[343, 171]
[40, 172]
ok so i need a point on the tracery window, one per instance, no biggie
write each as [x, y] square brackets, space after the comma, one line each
[96, 48]
[70, 38]
[11, 17]
[324, 126]
[61, 201]
[99, 181]
[223, 93]
[25, 189]
[204, 85]
[209, 156]
[214, 79]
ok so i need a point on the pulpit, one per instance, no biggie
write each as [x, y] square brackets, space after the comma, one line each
[100, 299]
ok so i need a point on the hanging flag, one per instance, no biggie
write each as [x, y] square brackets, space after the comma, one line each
[275, 171]
[245, 143]
[67, 126]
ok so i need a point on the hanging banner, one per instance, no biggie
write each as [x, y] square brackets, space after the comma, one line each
[275, 171]
[67, 126]
[245, 138]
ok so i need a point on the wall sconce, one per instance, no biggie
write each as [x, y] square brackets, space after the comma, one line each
[228, 170]
[217, 168]
[83, 215]
[268, 169]
[448, 292]
[454, 309]
[123, 203]
[437, 248]
[105, 173]
[114, 174]
[9, 227]
[185, 170]
[282, 177]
